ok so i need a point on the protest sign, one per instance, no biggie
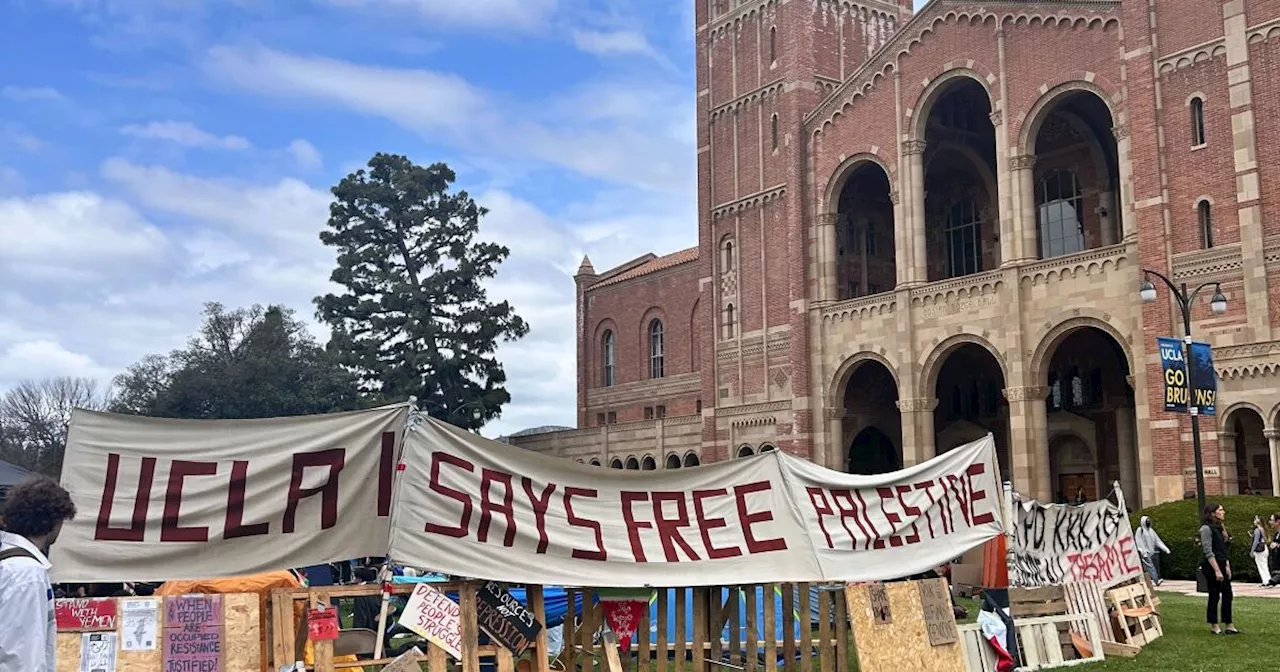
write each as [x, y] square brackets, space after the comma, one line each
[193, 634]
[98, 652]
[85, 615]
[473, 507]
[139, 629]
[504, 619]
[1055, 544]
[164, 499]
[435, 617]
[322, 624]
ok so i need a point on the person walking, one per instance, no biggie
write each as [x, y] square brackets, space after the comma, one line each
[1214, 540]
[1274, 549]
[1259, 549]
[1150, 546]
[30, 520]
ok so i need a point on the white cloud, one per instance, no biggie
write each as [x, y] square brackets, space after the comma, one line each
[306, 154]
[612, 43]
[33, 94]
[509, 14]
[14, 135]
[652, 149]
[186, 134]
[32, 360]
[11, 182]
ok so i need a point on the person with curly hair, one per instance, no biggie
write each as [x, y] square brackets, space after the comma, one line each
[30, 520]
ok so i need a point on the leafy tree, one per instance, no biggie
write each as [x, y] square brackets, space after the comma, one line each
[414, 319]
[35, 416]
[247, 363]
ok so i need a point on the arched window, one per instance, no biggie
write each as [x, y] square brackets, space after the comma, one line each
[745, 451]
[655, 349]
[963, 239]
[673, 461]
[633, 464]
[606, 355]
[1197, 122]
[1059, 214]
[730, 324]
[767, 448]
[691, 460]
[773, 131]
[615, 464]
[726, 257]
[595, 462]
[648, 464]
[773, 44]
[1205, 216]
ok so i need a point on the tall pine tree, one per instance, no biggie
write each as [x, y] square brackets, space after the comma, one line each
[414, 319]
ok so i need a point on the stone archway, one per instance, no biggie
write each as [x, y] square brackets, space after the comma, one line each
[967, 378]
[1073, 469]
[872, 452]
[1243, 441]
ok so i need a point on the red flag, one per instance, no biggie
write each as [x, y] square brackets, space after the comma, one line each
[624, 618]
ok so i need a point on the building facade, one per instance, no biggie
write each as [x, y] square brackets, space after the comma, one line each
[918, 228]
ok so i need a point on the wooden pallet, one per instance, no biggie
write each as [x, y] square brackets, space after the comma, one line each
[1139, 623]
[1045, 642]
[1087, 597]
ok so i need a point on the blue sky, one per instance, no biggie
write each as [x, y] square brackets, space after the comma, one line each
[158, 154]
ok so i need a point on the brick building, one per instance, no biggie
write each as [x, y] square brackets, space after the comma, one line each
[915, 229]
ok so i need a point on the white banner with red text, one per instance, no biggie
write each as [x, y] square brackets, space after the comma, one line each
[472, 507]
[161, 499]
[1055, 544]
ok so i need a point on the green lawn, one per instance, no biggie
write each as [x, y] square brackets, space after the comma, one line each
[1187, 645]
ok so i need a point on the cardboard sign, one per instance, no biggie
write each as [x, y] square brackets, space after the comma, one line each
[322, 625]
[504, 619]
[80, 615]
[98, 652]
[193, 633]
[433, 616]
[939, 619]
[879, 598]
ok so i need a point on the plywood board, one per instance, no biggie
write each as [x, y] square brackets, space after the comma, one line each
[241, 636]
[903, 643]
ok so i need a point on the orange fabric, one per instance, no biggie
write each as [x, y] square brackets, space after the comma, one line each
[995, 564]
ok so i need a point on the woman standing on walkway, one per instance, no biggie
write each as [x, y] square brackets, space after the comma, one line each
[1217, 568]
[1259, 550]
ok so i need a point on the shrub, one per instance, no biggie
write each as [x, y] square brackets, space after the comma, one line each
[1179, 525]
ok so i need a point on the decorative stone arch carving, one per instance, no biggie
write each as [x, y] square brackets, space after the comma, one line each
[933, 363]
[847, 368]
[1064, 328]
[939, 85]
[1040, 110]
[1227, 417]
[831, 201]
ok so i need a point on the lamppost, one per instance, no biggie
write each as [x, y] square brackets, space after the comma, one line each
[1218, 304]
[477, 410]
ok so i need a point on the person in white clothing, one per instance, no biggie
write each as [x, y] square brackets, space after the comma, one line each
[1258, 549]
[1150, 545]
[30, 520]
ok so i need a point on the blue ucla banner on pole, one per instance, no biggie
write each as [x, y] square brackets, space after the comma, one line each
[1177, 391]
[1203, 378]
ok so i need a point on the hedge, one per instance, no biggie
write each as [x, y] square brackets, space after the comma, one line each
[1179, 526]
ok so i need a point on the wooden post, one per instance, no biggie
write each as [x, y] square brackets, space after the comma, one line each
[789, 626]
[537, 604]
[663, 620]
[322, 651]
[470, 627]
[771, 628]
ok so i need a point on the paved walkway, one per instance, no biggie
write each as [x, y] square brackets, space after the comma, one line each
[1240, 589]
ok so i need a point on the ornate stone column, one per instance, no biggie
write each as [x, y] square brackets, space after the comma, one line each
[835, 438]
[1128, 217]
[1127, 449]
[827, 258]
[1273, 437]
[917, 430]
[1005, 186]
[1029, 441]
[901, 258]
[913, 150]
[1027, 236]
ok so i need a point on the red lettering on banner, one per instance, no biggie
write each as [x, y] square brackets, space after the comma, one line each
[540, 505]
[910, 512]
[386, 473]
[872, 533]
[487, 507]
[1105, 564]
[334, 459]
[574, 520]
[669, 528]
[137, 529]
[822, 509]
[849, 509]
[706, 524]
[747, 519]
[633, 526]
[179, 470]
[464, 523]
[886, 495]
[978, 495]
[956, 483]
[235, 527]
[925, 485]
